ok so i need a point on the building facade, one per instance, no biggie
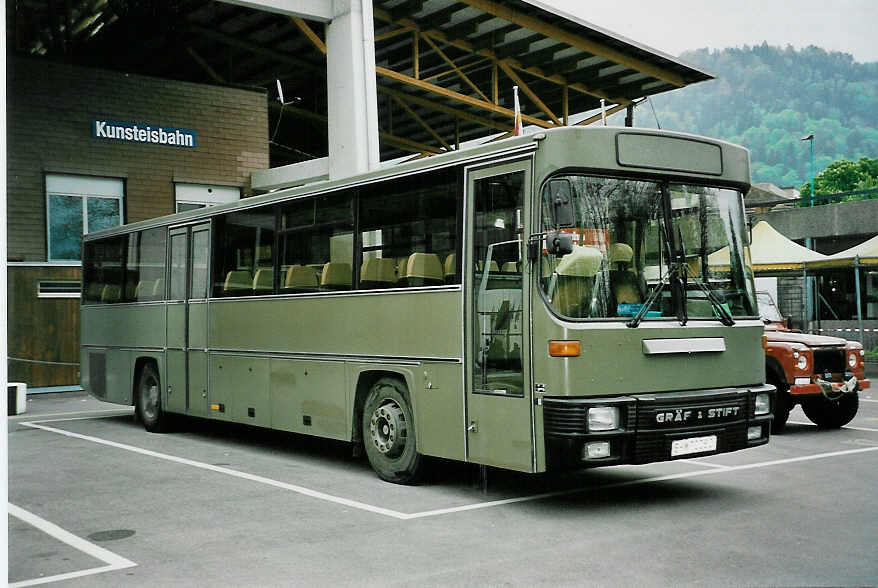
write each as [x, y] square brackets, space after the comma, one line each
[88, 149]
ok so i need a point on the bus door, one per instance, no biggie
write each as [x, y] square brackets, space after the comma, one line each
[188, 254]
[499, 400]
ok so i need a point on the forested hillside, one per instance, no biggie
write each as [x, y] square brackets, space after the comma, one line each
[767, 98]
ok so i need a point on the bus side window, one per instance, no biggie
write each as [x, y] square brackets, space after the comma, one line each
[317, 243]
[104, 270]
[409, 231]
[146, 264]
[245, 247]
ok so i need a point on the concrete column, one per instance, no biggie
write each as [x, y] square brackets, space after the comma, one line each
[351, 89]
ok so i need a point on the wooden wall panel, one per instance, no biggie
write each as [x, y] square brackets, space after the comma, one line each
[43, 333]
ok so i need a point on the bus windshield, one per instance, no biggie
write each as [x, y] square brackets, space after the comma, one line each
[629, 235]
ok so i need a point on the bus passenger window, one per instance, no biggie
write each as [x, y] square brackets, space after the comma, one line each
[245, 250]
[317, 243]
[409, 232]
[103, 270]
[146, 264]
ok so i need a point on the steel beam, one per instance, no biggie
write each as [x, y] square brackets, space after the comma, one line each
[319, 10]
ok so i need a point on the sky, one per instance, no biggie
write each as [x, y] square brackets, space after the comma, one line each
[674, 26]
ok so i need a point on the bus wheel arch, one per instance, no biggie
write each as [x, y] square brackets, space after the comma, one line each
[387, 428]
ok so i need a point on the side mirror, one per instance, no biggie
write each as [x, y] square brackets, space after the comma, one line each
[558, 193]
[559, 244]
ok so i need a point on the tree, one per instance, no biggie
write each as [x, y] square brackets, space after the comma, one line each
[766, 98]
[845, 176]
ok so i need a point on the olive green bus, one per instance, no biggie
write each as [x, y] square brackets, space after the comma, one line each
[542, 302]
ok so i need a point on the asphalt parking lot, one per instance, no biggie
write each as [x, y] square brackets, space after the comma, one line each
[97, 501]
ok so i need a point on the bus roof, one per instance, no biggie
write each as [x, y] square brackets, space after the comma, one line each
[600, 139]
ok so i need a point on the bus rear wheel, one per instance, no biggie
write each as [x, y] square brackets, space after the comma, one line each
[388, 427]
[831, 414]
[149, 400]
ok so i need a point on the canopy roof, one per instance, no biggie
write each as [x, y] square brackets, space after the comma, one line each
[770, 252]
[867, 252]
[445, 68]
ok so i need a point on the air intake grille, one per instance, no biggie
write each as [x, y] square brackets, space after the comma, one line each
[828, 360]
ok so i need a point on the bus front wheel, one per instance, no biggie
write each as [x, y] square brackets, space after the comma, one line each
[389, 432]
[149, 400]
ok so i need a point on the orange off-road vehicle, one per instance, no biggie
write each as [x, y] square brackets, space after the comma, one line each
[823, 374]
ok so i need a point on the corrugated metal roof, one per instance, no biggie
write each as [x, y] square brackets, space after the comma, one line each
[445, 67]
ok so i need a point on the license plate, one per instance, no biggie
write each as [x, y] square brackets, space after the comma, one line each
[693, 445]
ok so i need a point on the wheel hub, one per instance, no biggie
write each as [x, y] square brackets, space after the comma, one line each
[151, 394]
[387, 429]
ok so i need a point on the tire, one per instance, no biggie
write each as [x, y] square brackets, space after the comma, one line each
[388, 427]
[149, 400]
[783, 403]
[832, 414]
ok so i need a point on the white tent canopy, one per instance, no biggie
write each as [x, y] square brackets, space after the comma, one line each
[866, 252]
[769, 252]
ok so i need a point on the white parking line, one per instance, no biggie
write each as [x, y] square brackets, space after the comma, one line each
[113, 561]
[706, 464]
[844, 427]
[867, 400]
[102, 412]
[227, 471]
[430, 513]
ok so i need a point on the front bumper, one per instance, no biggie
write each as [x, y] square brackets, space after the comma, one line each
[813, 388]
[651, 423]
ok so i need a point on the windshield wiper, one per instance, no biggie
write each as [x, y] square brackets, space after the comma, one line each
[722, 312]
[677, 277]
[673, 270]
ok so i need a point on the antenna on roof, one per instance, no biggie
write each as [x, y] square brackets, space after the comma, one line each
[516, 125]
[657, 123]
[280, 91]
[280, 98]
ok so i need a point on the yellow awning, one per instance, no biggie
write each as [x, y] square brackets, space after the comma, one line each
[867, 251]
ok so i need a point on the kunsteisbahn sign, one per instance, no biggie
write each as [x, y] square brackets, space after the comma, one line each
[130, 132]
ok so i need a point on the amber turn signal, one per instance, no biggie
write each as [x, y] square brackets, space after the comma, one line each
[564, 348]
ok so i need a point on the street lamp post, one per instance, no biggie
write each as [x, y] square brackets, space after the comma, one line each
[810, 139]
[807, 283]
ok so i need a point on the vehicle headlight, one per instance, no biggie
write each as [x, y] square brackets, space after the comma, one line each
[763, 403]
[852, 359]
[603, 418]
[801, 362]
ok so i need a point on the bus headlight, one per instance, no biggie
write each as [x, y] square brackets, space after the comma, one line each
[603, 418]
[763, 403]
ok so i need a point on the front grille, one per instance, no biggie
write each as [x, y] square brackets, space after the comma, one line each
[691, 413]
[829, 360]
[564, 420]
[563, 417]
[642, 438]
